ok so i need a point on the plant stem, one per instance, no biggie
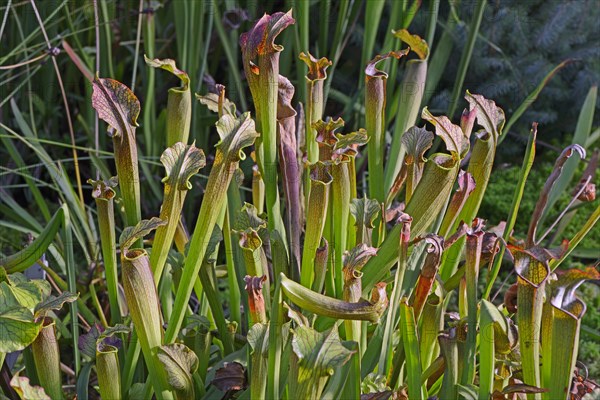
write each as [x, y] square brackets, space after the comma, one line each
[108, 240]
[315, 216]
[474, 247]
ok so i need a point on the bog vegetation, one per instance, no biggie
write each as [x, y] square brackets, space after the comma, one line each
[314, 261]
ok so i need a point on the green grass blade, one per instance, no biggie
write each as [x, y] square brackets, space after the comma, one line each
[72, 285]
[275, 344]
[465, 58]
[373, 11]
[227, 49]
[31, 254]
[589, 224]
[408, 327]
[581, 134]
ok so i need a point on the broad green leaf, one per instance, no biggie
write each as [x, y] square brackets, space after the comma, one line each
[416, 43]
[18, 278]
[116, 105]
[132, 233]
[31, 254]
[54, 303]
[181, 163]
[258, 339]
[374, 383]
[198, 323]
[180, 363]
[467, 392]
[137, 391]
[489, 115]
[20, 293]
[345, 382]
[26, 391]
[18, 329]
[296, 316]
[319, 355]
[169, 65]
[452, 135]
[416, 141]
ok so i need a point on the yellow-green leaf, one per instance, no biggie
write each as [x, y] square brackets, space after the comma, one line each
[416, 43]
[180, 363]
[452, 135]
[25, 391]
[133, 233]
[169, 65]
[181, 163]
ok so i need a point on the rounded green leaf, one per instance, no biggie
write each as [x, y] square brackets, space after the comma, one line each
[180, 363]
[17, 329]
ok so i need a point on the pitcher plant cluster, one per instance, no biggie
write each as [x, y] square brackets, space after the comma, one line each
[336, 288]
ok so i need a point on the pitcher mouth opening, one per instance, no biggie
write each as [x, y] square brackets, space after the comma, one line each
[132, 254]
